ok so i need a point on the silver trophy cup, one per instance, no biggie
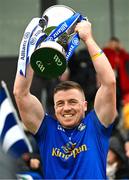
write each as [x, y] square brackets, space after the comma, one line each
[49, 58]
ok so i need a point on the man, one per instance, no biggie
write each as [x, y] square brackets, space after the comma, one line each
[72, 146]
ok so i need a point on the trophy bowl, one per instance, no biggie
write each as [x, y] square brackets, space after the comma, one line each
[57, 14]
[49, 58]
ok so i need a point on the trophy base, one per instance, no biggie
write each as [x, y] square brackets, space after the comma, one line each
[49, 60]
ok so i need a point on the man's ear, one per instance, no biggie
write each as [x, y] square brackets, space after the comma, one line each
[85, 105]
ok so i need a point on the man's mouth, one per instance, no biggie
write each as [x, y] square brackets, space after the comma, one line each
[67, 115]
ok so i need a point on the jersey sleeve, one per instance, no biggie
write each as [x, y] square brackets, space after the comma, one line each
[45, 127]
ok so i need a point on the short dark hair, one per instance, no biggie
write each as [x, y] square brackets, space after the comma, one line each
[67, 85]
[113, 38]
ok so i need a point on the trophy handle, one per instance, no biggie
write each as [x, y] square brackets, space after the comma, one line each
[43, 22]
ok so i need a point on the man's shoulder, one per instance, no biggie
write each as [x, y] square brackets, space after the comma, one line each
[48, 124]
[91, 117]
[49, 118]
[91, 113]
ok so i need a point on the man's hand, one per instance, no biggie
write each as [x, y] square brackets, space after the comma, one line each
[83, 28]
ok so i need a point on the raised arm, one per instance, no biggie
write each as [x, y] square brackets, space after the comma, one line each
[105, 100]
[30, 108]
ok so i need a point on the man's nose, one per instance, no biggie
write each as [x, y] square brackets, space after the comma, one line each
[67, 106]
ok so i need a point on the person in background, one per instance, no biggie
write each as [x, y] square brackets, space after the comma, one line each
[29, 163]
[119, 59]
[117, 162]
[72, 145]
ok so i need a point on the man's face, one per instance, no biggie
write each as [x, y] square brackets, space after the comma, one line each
[70, 107]
[115, 45]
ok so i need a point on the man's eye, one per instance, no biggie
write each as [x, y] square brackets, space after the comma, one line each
[59, 104]
[73, 102]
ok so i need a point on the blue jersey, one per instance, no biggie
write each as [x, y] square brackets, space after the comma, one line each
[79, 153]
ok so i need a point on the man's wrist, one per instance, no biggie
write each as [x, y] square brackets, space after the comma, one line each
[89, 41]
